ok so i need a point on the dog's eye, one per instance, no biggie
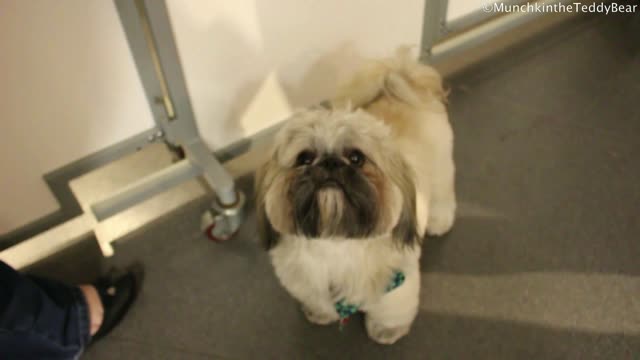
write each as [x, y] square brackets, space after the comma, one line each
[305, 158]
[356, 157]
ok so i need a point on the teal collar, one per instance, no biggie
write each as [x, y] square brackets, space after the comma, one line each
[345, 310]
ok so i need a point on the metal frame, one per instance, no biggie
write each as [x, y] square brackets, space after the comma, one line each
[149, 33]
[475, 18]
[442, 39]
[433, 25]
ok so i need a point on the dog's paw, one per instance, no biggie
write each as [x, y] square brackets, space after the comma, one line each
[385, 335]
[318, 317]
[441, 218]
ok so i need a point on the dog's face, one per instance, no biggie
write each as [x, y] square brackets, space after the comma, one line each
[335, 174]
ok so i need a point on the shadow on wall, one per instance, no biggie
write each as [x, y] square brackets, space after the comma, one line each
[315, 45]
[220, 78]
[228, 50]
[323, 76]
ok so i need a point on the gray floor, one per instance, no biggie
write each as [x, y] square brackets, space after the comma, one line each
[543, 263]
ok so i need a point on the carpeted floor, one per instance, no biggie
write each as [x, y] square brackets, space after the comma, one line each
[543, 263]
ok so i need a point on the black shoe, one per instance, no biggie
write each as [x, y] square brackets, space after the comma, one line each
[117, 293]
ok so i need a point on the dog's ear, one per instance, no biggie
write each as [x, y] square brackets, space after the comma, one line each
[406, 229]
[263, 178]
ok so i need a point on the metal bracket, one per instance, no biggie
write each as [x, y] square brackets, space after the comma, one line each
[149, 34]
[434, 25]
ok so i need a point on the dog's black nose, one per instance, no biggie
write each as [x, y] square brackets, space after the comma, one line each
[331, 163]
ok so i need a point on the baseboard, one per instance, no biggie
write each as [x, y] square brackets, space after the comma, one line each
[58, 183]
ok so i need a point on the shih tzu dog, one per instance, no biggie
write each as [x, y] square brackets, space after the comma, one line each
[350, 190]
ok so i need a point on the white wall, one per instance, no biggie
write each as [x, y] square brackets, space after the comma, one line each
[68, 87]
[72, 88]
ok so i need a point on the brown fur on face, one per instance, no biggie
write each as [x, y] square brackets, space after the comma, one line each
[330, 196]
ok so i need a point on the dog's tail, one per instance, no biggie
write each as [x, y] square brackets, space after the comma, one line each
[400, 79]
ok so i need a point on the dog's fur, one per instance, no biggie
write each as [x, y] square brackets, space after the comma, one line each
[338, 224]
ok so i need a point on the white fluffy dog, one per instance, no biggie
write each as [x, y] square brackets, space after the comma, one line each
[348, 193]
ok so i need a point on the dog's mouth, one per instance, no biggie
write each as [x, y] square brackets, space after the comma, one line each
[330, 183]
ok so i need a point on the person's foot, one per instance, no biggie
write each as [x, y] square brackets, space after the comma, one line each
[110, 298]
[95, 308]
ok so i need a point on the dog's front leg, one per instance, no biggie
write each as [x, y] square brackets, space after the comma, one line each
[390, 318]
[442, 202]
[316, 306]
[320, 314]
[316, 302]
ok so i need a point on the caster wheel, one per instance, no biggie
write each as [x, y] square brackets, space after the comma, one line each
[209, 231]
[221, 223]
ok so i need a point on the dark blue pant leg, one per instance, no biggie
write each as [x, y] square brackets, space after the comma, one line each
[40, 318]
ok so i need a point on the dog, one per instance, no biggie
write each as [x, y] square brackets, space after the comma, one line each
[349, 191]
